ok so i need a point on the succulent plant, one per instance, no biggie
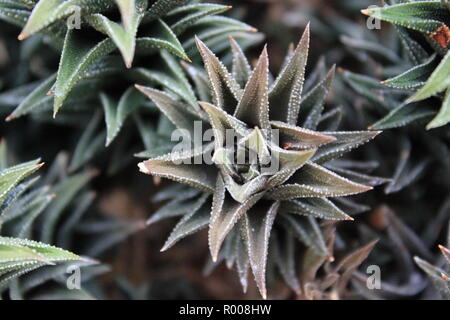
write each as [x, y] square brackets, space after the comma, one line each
[50, 209]
[430, 73]
[19, 207]
[278, 180]
[79, 60]
[88, 56]
[438, 276]
[334, 284]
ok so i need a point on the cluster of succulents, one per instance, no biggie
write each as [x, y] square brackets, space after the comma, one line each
[286, 169]
[279, 157]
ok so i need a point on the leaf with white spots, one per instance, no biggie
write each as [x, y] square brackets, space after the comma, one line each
[313, 180]
[285, 93]
[258, 223]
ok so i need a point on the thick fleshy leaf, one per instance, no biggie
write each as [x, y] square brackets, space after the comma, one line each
[242, 264]
[171, 108]
[405, 234]
[174, 208]
[162, 37]
[368, 87]
[315, 207]
[3, 155]
[258, 223]
[195, 220]
[443, 116]
[404, 114]
[445, 253]
[413, 78]
[307, 230]
[417, 15]
[65, 193]
[127, 11]
[359, 177]
[253, 107]
[38, 97]
[285, 163]
[345, 141]
[313, 180]
[313, 260]
[374, 48]
[349, 264]
[201, 176]
[226, 91]
[18, 256]
[330, 121]
[230, 247]
[220, 121]
[241, 67]
[285, 93]
[23, 225]
[225, 213]
[241, 193]
[415, 51]
[17, 202]
[75, 60]
[10, 177]
[200, 80]
[161, 7]
[284, 247]
[296, 138]
[115, 114]
[190, 14]
[89, 144]
[406, 172]
[215, 31]
[354, 259]
[256, 143]
[174, 81]
[313, 103]
[437, 276]
[48, 11]
[123, 35]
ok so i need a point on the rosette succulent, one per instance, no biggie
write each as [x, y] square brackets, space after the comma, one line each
[268, 169]
[423, 27]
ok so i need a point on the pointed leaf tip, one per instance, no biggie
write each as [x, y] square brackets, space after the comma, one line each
[143, 168]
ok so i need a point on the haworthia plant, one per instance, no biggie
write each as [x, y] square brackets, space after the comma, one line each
[430, 77]
[145, 28]
[19, 256]
[245, 202]
[48, 209]
[439, 276]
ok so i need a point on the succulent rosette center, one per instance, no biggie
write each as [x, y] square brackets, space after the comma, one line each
[264, 163]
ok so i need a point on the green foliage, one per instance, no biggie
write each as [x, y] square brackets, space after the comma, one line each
[430, 20]
[438, 276]
[144, 29]
[249, 200]
[20, 256]
[74, 89]
[32, 209]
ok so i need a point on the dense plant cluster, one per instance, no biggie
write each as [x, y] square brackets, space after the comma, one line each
[339, 156]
